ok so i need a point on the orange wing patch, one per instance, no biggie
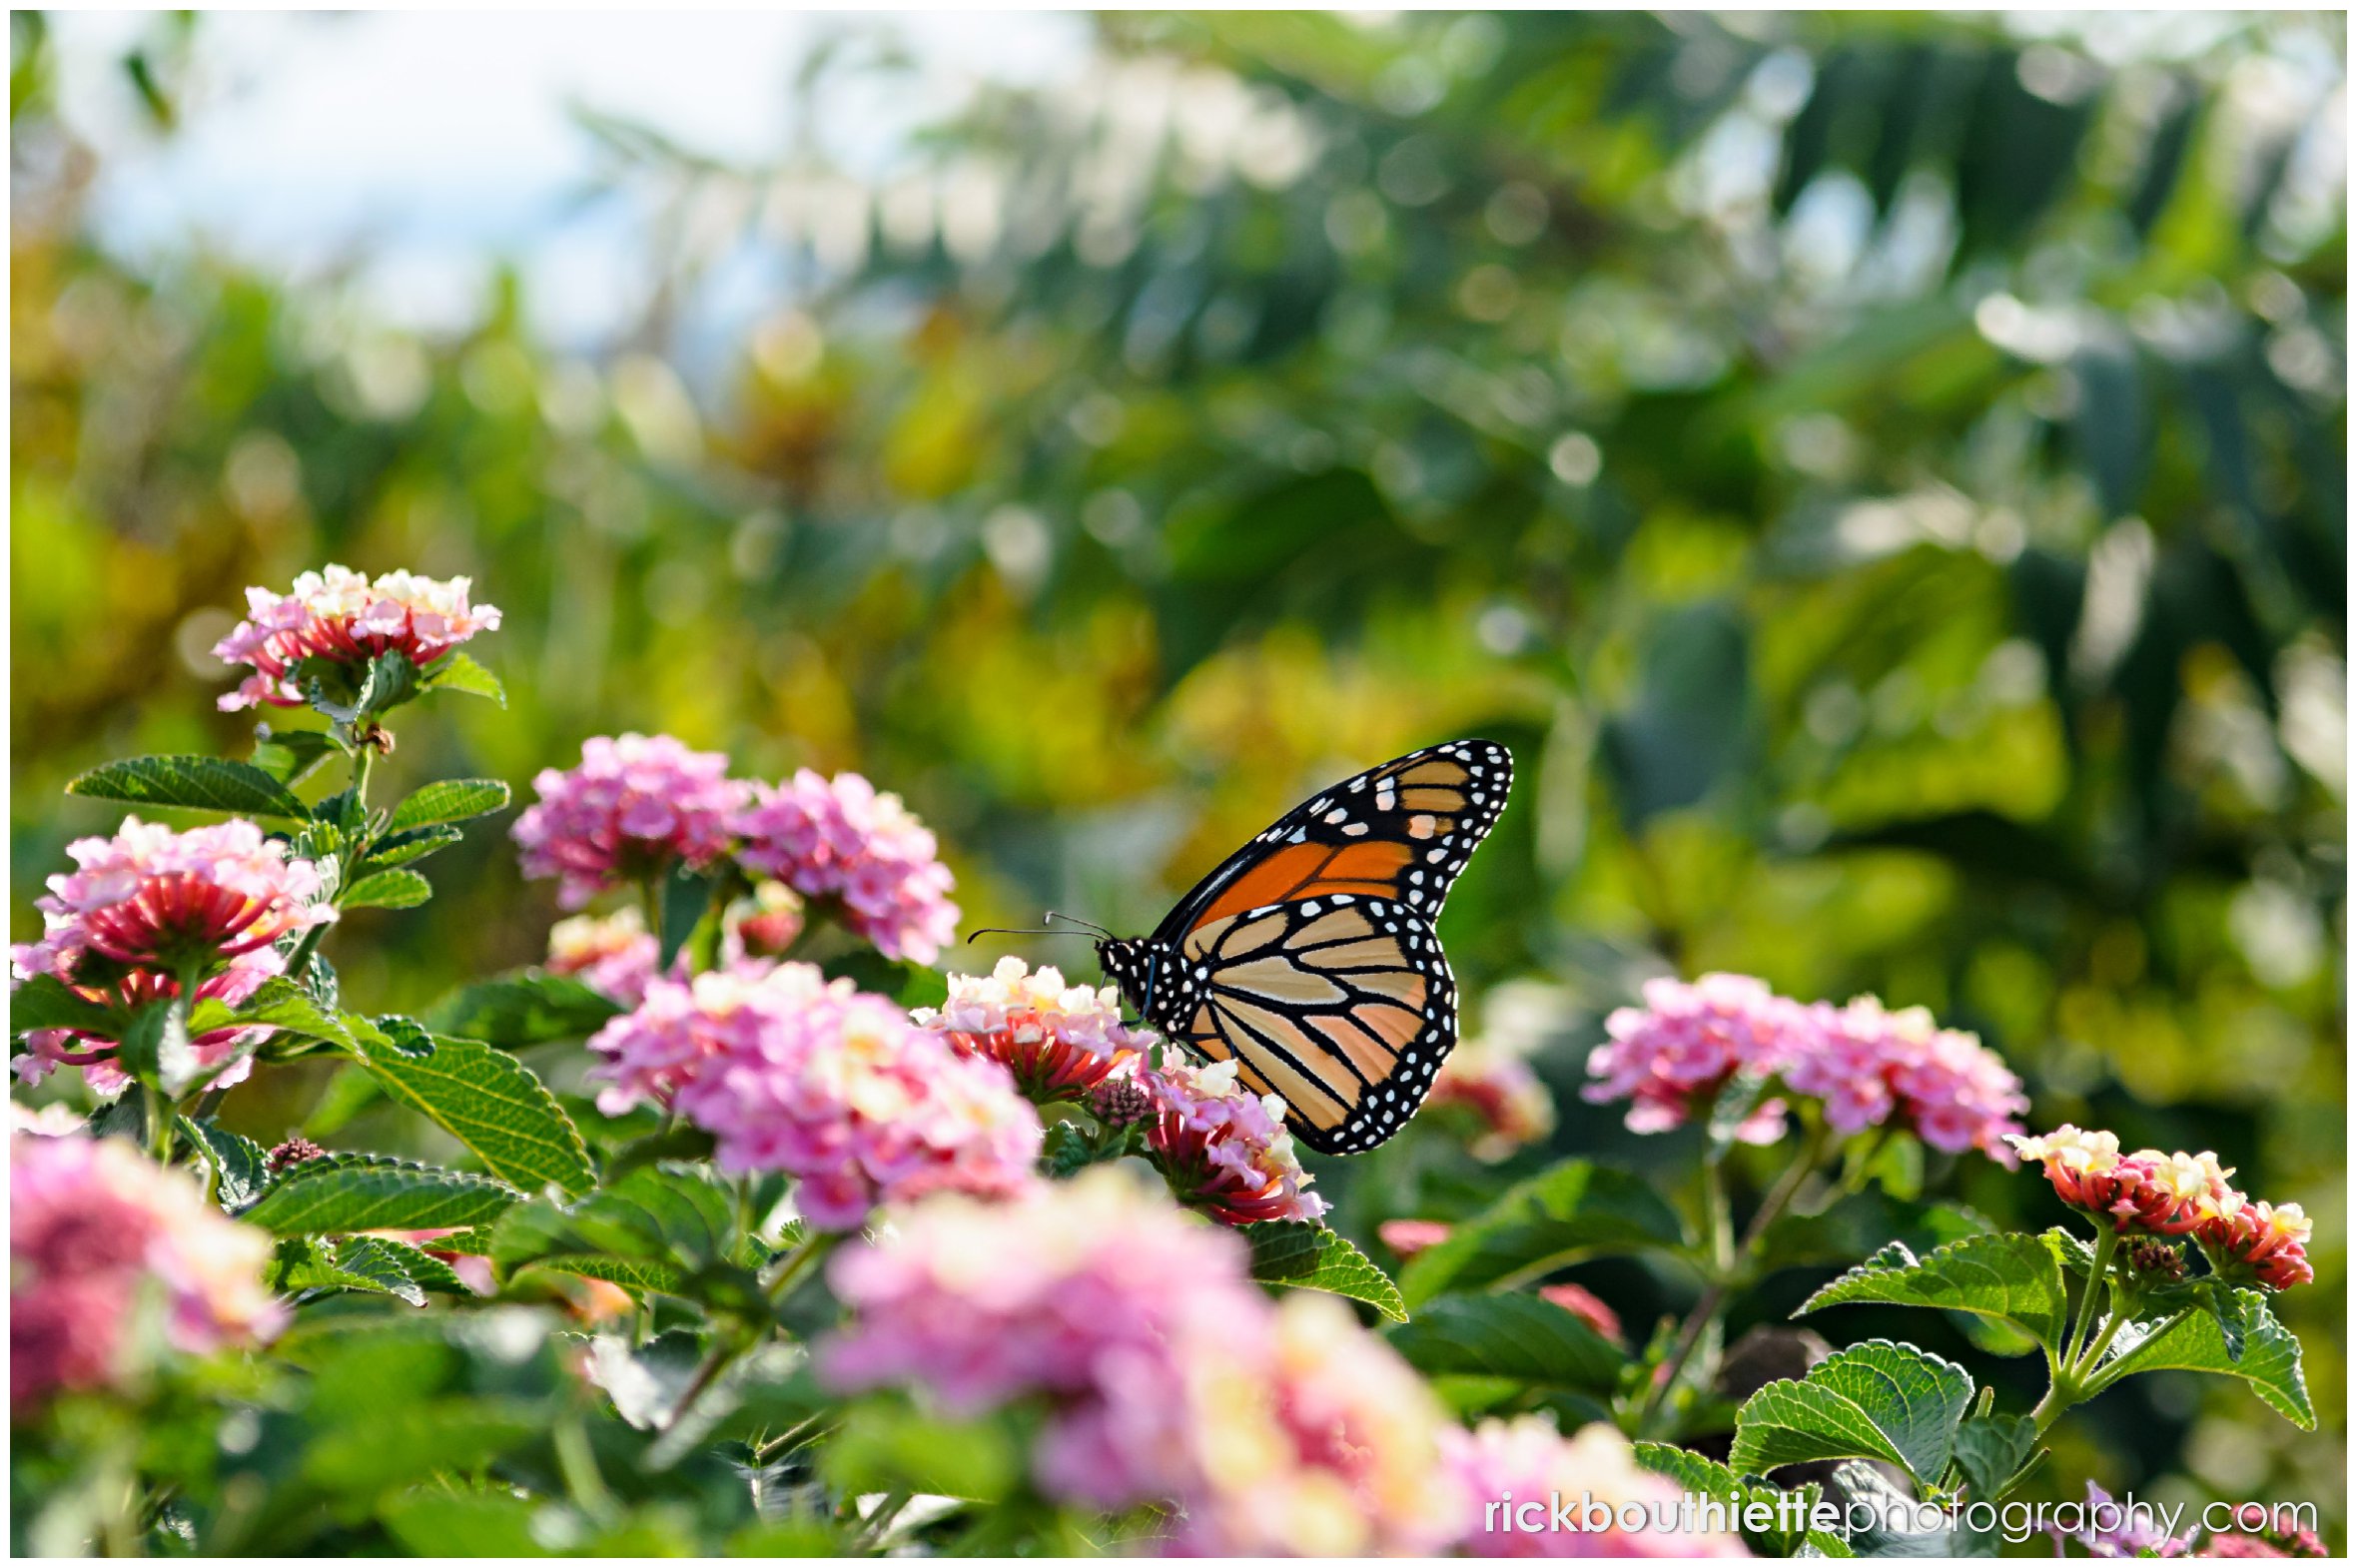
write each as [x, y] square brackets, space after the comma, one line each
[1301, 871]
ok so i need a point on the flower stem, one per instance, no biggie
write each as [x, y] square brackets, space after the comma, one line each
[1728, 1265]
[774, 1284]
[2099, 1273]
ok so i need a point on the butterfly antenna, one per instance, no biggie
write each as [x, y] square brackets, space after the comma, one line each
[1089, 925]
[1024, 931]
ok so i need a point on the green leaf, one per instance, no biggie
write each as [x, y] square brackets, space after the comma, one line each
[655, 1229]
[1860, 1224]
[388, 890]
[401, 849]
[46, 1002]
[412, 1440]
[2011, 1277]
[291, 755]
[436, 1521]
[2270, 1360]
[523, 1010]
[335, 688]
[354, 1263]
[449, 800]
[1991, 1451]
[241, 1167]
[486, 1100]
[1540, 1224]
[459, 672]
[198, 783]
[1731, 1107]
[1709, 1479]
[1875, 1401]
[910, 985]
[1311, 1258]
[889, 1448]
[1517, 1337]
[286, 1006]
[346, 1192]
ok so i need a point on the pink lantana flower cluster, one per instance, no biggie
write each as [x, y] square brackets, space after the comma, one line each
[635, 806]
[615, 955]
[1060, 1041]
[1867, 1065]
[98, 1235]
[1168, 1376]
[1507, 1464]
[148, 907]
[1223, 1148]
[836, 1088]
[838, 838]
[2149, 1192]
[344, 617]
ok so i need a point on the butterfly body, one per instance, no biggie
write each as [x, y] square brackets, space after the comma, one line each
[1309, 956]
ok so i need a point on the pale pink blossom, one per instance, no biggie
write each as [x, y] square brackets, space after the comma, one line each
[613, 955]
[792, 1072]
[1060, 1041]
[1672, 1056]
[636, 806]
[839, 839]
[1505, 1467]
[97, 1232]
[1223, 1148]
[342, 617]
[1162, 1373]
[1868, 1062]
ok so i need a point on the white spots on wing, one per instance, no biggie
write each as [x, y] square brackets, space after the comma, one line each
[1355, 829]
[1296, 836]
[1339, 814]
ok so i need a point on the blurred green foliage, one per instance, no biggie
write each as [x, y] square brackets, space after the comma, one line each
[1884, 475]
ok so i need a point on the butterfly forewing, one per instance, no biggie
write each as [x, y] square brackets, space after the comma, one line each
[1309, 955]
[1403, 831]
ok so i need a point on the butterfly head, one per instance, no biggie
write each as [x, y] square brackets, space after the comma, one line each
[1131, 964]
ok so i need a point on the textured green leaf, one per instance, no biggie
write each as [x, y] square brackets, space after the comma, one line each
[346, 1192]
[486, 1100]
[1875, 1401]
[2270, 1360]
[1517, 1337]
[199, 783]
[291, 755]
[241, 1167]
[523, 1010]
[449, 800]
[654, 1229]
[402, 889]
[436, 1521]
[1707, 1478]
[401, 849]
[46, 1002]
[1311, 1258]
[1542, 1224]
[287, 1008]
[459, 672]
[354, 1263]
[2011, 1277]
[1860, 1224]
[1992, 1450]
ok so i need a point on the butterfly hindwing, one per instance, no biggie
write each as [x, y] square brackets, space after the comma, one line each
[1341, 1003]
[1401, 831]
[1309, 955]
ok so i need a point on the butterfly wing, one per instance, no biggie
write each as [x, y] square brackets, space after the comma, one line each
[1341, 1003]
[1309, 955]
[1401, 831]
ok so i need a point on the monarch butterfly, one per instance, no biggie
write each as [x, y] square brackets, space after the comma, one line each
[1309, 956]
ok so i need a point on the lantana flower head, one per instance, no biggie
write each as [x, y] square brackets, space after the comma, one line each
[1505, 1464]
[2146, 1193]
[1867, 1064]
[793, 1073]
[635, 806]
[1165, 1374]
[96, 1232]
[838, 838]
[149, 906]
[1328, 1446]
[2258, 1243]
[1088, 1295]
[343, 616]
[1670, 1058]
[1059, 1040]
[1225, 1150]
[613, 955]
